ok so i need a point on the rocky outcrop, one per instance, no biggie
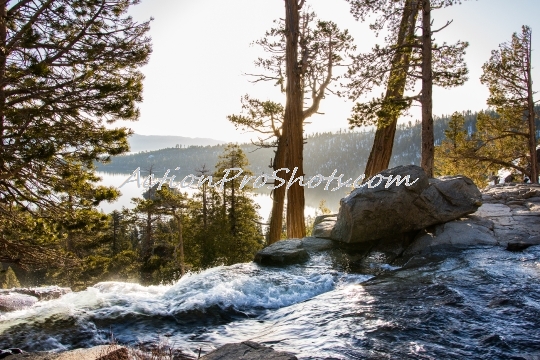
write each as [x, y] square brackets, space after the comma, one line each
[291, 251]
[247, 350]
[382, 208]
[283, 252]
[102, 352]
[509, 217]
[323, 226]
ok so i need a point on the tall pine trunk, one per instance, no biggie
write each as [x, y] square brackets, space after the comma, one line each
[381, 151]
[294, 120]
[278, 194]
[179, 253]
[530, 110]
[428, 150]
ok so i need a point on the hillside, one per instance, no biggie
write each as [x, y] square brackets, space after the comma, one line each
[138, 143]
[345, 151]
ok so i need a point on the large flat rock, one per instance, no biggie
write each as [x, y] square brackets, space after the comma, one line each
[284, 252]
[495, 210]
[101, 352]
[460, 234]
[292, 251]
[247, 350]
[509, 218]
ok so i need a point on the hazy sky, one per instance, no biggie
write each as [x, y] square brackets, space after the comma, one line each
[201, 51]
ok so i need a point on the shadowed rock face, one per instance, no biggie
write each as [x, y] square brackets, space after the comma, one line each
[282, 253]
[383, 208]
[323, 225]
[292, 251]
[509, 217]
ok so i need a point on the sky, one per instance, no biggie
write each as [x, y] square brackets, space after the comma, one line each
[202, 51]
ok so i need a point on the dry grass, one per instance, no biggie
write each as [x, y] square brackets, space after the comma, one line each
[161, 350]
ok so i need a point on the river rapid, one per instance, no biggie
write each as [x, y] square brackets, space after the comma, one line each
[477, 304]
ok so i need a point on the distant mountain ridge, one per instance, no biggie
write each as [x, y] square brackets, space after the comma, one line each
[138, 143]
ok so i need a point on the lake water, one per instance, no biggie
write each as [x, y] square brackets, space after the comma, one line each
[130, 190]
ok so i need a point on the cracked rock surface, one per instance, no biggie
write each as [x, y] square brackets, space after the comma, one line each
[509, 217]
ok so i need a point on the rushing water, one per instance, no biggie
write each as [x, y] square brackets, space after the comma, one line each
[478, 304]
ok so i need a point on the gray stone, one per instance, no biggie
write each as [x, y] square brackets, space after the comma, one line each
[491, 210]
[284, 252]
[459, 234]
[513, 227]
[505, 235]
[480, 221]
[313, 244]
[101, 352]
[323, 225]
[247, 350]
[517, 246]
[385, 210]
[523, 243]
[13, 302]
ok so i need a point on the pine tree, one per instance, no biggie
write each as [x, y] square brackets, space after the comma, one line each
[508, 76]
[243, 237]
[386, 110]
[304, 55]
[66, 69]
[266, 118]
[10, 280]
[505, 136]
[451, 155]
[407, 58]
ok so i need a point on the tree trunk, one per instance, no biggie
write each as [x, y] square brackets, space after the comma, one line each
[278, 198]
[147, 245]
[205, 205]
[296, 227]
[531, 113]
[116, 220]
[428, 150]
[381, 152]
[180, 246]
[232, 213]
